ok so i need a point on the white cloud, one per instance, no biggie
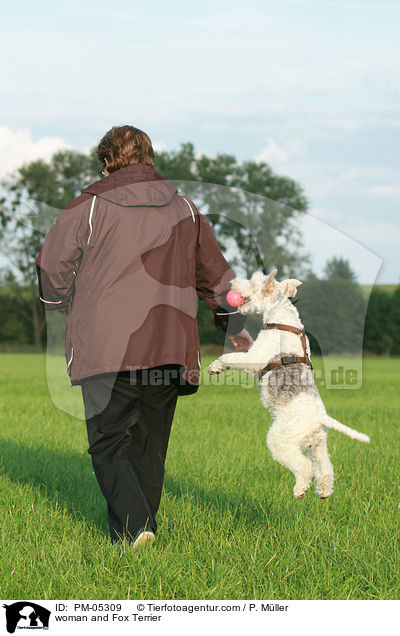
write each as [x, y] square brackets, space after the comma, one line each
[17, 147]
[363, 173]
[385, 190]
[159, 146]
[215, 126]
[331, 123]
[274, 152]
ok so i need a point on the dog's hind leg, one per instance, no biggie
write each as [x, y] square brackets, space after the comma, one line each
[289, 454]
[323, 469]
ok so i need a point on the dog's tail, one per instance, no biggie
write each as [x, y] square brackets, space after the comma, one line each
[330, 422]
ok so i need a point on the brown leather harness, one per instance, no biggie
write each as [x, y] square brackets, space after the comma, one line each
[305, 359]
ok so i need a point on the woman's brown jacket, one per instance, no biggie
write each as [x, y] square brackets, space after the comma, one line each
[126, 261]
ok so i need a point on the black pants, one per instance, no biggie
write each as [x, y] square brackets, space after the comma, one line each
[129, 416]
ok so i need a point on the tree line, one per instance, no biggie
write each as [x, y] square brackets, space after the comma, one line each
[337, 315]
[249, 207]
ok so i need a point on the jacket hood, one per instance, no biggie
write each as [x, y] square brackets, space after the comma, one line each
[134, 186]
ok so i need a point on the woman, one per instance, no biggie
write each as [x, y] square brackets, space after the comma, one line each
[125, 261]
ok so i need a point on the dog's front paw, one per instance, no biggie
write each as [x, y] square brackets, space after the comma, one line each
[215, 367]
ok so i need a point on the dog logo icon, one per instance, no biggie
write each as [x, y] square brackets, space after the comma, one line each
[26, 615]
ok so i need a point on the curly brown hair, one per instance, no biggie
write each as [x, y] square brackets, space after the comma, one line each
[123, 146]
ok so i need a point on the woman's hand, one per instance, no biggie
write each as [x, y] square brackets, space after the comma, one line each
[241, 340]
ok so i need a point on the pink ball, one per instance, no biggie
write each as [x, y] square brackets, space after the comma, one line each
[234, 298]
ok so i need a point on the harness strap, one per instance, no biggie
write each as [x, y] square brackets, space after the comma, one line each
[285, 360]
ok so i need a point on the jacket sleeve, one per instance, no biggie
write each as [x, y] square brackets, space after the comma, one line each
[59, 259]
[213, 274]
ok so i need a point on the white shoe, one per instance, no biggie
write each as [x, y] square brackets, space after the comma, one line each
[144, 538]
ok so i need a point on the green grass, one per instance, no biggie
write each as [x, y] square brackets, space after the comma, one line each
[229, 527]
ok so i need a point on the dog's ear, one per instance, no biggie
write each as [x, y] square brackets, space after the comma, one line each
[270, 284]
[290, 286]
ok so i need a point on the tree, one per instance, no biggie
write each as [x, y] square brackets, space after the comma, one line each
[44, 189]
[339, 267]
[248, 205]
[378, 331]
[14, 311]
[252, 210]
[333, 310]
[394, 322]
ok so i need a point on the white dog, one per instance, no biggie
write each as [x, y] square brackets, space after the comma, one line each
[280, 356]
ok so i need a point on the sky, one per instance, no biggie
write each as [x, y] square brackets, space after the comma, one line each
[311, 87]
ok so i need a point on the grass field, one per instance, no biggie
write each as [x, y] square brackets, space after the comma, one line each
[229, 527]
